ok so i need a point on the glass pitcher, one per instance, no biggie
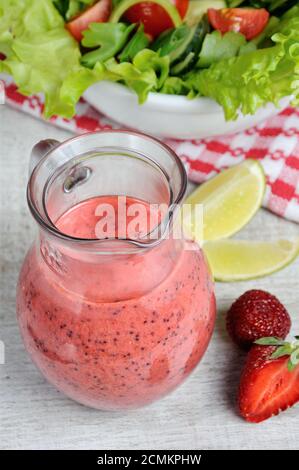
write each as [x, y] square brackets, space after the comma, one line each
[113, 321]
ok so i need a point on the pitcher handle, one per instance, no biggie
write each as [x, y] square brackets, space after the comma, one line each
[40, 150]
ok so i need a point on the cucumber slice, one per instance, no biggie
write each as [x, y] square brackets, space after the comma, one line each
[190, 55]
[174, 42]
[202, 29]
[182, 45]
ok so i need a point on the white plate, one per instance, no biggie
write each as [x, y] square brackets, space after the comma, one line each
[170, 115]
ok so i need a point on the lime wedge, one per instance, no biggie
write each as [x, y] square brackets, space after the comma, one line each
[238, 260]
[229, 200]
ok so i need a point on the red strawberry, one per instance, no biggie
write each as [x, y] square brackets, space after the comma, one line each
[270, 380]
[254, 315]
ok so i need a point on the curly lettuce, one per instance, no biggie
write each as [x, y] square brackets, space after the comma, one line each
[246, 82]
[40, 53]
[146, 73]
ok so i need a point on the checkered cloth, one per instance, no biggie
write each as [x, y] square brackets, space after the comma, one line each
[275, 143]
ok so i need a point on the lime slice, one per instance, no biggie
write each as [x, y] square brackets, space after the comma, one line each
[238, 260]
[229, 200]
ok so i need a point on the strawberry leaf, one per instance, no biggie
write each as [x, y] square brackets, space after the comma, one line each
[290, 366]
[295, 357]
[284, 350]
[270, 341]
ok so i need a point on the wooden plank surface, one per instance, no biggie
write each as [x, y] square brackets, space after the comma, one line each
[199, 415]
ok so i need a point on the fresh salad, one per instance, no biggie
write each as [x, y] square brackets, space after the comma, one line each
[241, 53]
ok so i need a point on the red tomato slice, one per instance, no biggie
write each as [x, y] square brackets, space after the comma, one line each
[248, 21]
[98, 13]
[153, 16]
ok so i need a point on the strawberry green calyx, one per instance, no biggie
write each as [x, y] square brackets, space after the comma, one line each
[284, 348]
[123, 6]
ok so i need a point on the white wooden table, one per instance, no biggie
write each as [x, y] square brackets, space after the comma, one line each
[199, 415]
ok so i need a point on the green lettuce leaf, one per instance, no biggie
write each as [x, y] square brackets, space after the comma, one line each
[110, 38]
[148, 61]
[137, 43]
[40, 53]
[76, 83]
[251, 80]
[175, 86]
[147, 73]
[18, 17]
[217, 46]
[291, 13]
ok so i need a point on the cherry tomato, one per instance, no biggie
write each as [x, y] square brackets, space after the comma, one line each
[153, 16]
[98, 13]
[248, 21]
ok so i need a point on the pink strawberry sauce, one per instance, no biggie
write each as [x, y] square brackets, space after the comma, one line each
[114, 332]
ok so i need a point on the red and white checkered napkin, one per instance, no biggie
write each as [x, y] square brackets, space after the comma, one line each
[275, 143]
